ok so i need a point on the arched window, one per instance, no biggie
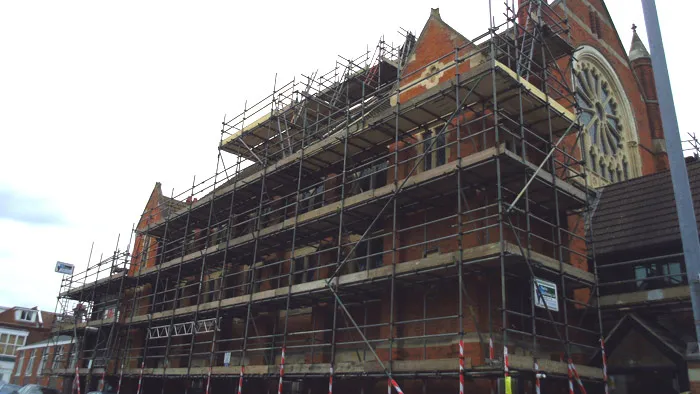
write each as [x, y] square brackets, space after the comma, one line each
[609, 133]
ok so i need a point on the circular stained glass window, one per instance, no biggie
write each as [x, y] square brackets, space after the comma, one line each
[605, 120]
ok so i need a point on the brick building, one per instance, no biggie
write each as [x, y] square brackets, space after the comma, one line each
[19, 327]
[35, 359]
[415, 212]
[645, 298]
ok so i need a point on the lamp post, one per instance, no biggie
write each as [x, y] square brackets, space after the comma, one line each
[674, 148]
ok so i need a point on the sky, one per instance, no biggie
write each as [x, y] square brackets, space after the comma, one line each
[99, 100]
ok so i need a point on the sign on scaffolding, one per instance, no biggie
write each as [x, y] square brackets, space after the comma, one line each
[64, 268]
[545, 293]
[227, 359]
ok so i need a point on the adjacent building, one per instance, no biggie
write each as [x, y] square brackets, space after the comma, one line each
[19, 327]
[645, 298]
[33, 361]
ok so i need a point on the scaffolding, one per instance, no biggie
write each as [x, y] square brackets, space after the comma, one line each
[384, 224]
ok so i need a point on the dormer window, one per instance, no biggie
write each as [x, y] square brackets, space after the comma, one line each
[27, 316]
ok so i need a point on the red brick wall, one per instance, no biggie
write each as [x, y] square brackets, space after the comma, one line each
[45, 378]
[615, 53]
[434, 52]
[152, 214]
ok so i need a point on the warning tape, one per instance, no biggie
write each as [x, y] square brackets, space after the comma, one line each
[138, 388]
[392, 382]
[505, 360]
[240, 381]
[571, 380]
[101, 386]
[208, 380]
[492, 354]
[461, 366]
[279, 390]
[330, 382]
[537, 378]
[77, 380]
[572, 368]
[605, 365]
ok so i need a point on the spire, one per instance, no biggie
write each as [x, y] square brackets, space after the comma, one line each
[637, 50]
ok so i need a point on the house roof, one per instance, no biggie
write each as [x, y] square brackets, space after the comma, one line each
[641, 212]
[44, 320]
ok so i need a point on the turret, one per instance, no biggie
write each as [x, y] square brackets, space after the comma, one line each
[644, 71]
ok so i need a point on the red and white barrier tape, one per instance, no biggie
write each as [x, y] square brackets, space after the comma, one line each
[537, 378]
[77, 380]
[279, 390]
[461, 366]
[330, 382]
[240, 381]
[571, 379]
[208, 380]
[138, 388]
[101, 386]
[577, 377]
[605, 365]
[505, 360]
[492, 354]
[396, 386]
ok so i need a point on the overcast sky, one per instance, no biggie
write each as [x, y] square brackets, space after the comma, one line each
[99, 100]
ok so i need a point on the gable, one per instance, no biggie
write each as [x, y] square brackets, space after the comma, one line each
[432, 60]
[151, 213]
[636, 351]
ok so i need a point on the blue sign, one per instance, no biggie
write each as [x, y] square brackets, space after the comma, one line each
[64, 268]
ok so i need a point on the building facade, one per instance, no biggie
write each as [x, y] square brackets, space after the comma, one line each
[419, 213]
[19, 327]
[33, 361]
[645, 298]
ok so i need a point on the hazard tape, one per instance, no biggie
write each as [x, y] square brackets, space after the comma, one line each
[461, 366]
[77, 380]
[208, 380]
[279, 390]
[605, 365]
[505, 360]
[572, 368]
[571, 379]
[101, 386]
[240, 381]
[138, 388]
[330, 382]
[537, 378]
[393, 383]
[492, 354]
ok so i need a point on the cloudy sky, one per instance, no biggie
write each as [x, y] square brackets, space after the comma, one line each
[99, 100]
